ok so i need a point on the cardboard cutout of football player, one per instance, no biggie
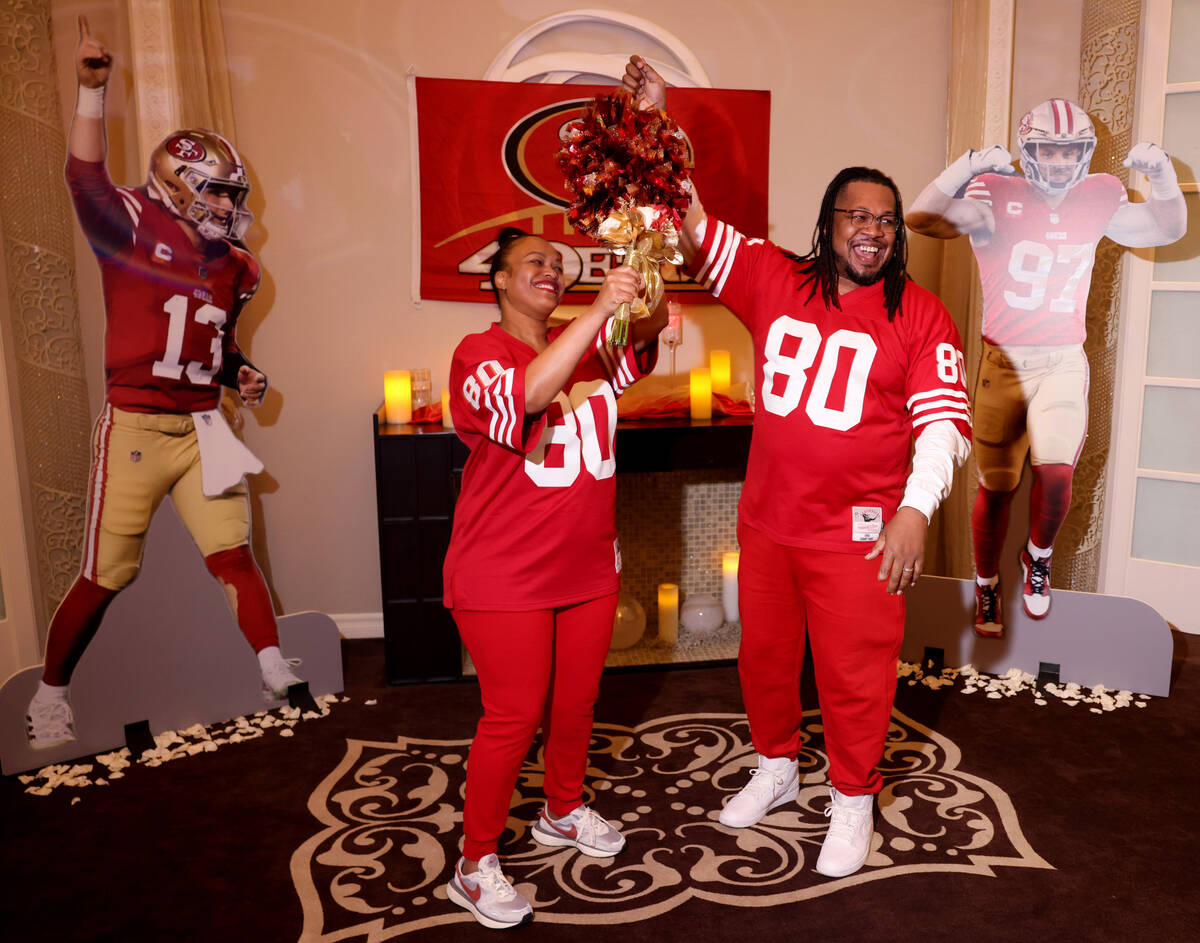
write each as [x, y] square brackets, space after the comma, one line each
[175, 280]
[1034, 237]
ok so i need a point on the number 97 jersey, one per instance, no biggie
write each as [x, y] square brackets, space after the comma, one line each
[841, 393]
[1036, 266]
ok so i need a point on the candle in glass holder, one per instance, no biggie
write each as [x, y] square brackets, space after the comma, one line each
[397, 397]
[701, 390]
[729, 592]
[718, 365]
[447, 419]
[668, 613]
[672, 334]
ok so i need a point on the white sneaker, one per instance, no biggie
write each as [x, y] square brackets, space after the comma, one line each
[775, 782]
[582, 829]
[848, 841]
[277, 674]
[49, 721]
[488, 895]
[1035, 594]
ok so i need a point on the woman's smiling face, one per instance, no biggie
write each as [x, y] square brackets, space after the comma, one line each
[532, 277]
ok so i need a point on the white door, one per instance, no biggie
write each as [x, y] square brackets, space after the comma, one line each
[1152, 549]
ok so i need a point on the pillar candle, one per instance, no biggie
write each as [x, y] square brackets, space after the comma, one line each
[729, 592]
[397, 397]
[447, 420]
[701, 389]
[718, 364]
[668, 613]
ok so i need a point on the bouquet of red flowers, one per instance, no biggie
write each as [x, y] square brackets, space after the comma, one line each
[627, 171]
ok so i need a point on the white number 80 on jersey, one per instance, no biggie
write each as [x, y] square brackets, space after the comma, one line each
[582, 422]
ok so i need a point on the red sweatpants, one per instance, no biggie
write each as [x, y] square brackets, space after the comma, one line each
[855, 629]
[534, 667]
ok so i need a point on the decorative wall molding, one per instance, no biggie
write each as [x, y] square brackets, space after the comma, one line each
[359, 624]
[47, 388]
[152, 62]
[978, 113]
[1107, 83]
[997, 120]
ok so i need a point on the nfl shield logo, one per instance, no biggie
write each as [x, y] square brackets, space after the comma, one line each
[135, 456]
[207, 419]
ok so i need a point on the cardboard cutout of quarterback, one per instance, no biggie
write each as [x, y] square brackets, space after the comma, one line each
[1034, 237]
[175, 279]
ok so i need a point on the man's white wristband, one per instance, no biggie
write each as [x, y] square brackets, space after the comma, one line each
[1164, 185]
[955, 177]
[89, 103]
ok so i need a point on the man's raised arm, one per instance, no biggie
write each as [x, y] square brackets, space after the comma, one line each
[650, 91]
[1163, 218]
[939, 213]
[93, 67]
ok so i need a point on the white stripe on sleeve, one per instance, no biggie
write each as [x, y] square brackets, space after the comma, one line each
[498, 398]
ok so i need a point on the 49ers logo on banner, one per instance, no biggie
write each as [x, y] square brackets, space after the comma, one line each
[487, 160]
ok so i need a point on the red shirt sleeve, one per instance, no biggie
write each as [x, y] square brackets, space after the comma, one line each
[936, 377]
[487, 394]
[106, 214]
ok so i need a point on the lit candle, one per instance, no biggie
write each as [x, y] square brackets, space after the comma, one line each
[729, 568]
[668, 613]
[701, 388]
[447, 420]
[718, 364]
[397, 397]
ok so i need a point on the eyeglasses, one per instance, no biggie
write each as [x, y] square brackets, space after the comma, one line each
[861, 219]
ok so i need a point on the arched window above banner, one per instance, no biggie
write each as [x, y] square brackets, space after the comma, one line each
[547, 52]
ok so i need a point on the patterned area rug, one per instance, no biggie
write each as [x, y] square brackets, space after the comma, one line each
[390, 817]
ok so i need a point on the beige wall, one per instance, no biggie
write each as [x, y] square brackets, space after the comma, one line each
[322, 115]
[1046, 48]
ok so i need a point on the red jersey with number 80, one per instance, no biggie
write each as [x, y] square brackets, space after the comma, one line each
[170, 311]
[1036, 267]
[841, 393]
[534, 525]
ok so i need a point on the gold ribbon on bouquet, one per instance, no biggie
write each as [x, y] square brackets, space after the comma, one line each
[627, 231]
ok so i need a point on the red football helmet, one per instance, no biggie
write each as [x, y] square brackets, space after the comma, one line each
[188, 168]
[1057, 139]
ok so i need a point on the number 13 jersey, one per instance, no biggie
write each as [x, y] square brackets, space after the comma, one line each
[1036, 267]
[170, 308]
[535, 524]
[841, 393]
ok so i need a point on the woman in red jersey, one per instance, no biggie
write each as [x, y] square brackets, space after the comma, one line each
[533, 567]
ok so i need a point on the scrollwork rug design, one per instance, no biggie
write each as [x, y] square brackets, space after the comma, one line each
[391, 817]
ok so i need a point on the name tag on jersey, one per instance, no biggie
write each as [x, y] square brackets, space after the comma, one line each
[867, 524]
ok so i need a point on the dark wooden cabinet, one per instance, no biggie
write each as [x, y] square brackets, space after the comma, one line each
[417, 474]
[418, 471]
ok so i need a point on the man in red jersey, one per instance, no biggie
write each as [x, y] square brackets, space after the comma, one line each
[175, 280]
[852, 361]
[1035, 237]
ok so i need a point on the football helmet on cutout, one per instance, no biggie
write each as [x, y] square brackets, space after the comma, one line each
[1063, 129]
[190, 166]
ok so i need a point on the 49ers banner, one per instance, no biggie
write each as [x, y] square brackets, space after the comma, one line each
[487, 160]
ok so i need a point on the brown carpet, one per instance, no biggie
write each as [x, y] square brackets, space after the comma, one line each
[1001, 820]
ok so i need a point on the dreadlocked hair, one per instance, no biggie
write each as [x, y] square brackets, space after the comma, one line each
[504, 242]
[819, 266]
